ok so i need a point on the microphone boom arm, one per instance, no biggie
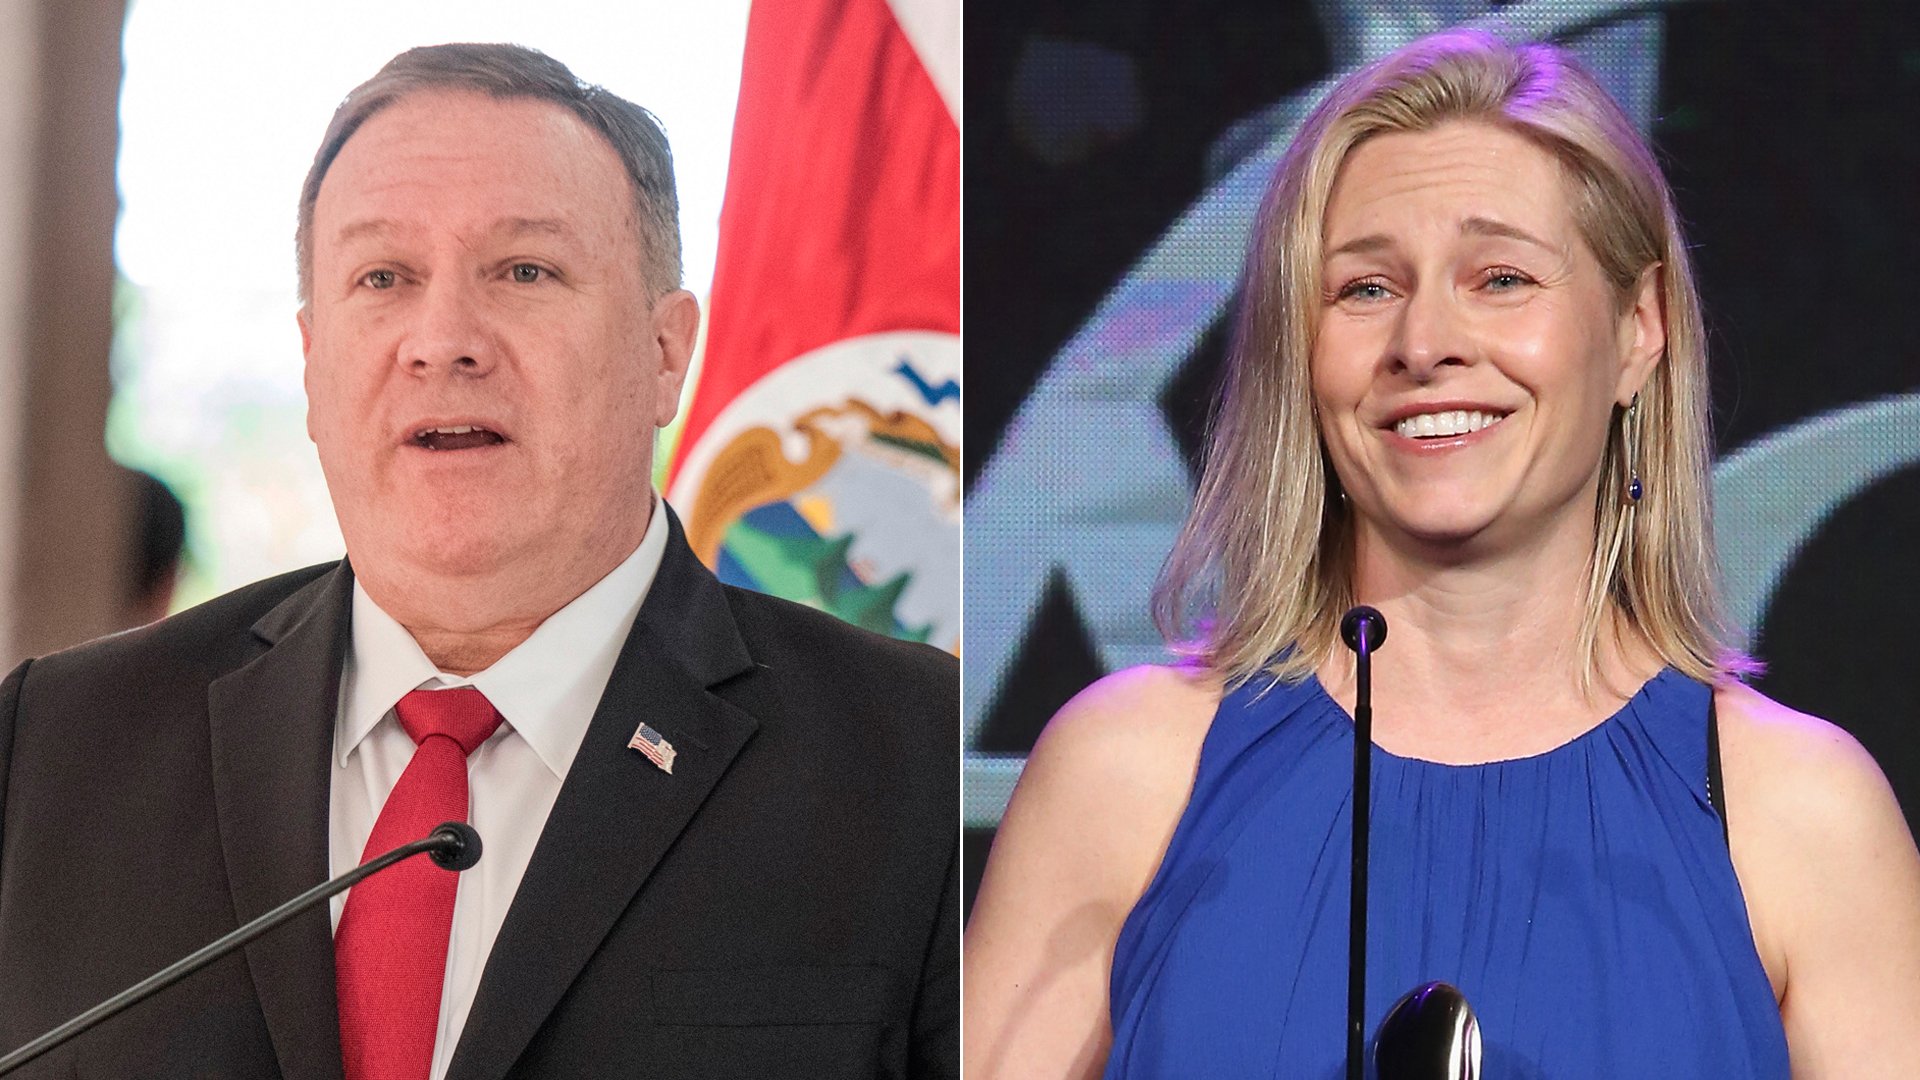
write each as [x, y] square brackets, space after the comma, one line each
[449, 845]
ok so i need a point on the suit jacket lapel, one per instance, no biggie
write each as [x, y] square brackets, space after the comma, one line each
[617, 813]
[272, 733]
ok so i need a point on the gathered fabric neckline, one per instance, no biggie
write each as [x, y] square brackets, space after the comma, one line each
[1339, 714]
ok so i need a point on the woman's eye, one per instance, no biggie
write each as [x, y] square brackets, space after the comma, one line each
[379, 279]
[1364, 290]
[1502, 280]
[527, 273]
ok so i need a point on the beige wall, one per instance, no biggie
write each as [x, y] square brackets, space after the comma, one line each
[62, 509]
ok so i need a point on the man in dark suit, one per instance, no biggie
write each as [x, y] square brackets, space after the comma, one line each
[720, 831]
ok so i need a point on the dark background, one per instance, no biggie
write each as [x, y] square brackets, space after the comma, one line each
[1788, 132]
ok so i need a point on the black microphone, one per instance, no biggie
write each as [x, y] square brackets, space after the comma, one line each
[1359, 621]
[458, 846]
[1363, 629]
[1430, 1033]
[453, 845]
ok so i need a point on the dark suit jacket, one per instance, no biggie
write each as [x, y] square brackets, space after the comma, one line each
[783, 905]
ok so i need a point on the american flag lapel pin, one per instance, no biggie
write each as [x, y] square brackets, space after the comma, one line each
[655, 747]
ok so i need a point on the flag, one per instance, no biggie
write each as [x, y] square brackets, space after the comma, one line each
[654, 747]
[820, 459]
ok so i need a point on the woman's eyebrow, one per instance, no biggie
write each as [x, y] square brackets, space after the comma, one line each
[1484, 226]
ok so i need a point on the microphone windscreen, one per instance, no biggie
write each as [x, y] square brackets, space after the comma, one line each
[1375, 622]
[459, 846]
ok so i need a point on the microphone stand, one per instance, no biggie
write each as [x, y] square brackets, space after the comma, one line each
[1431, 1033]
[1363, 629]
[454, 846]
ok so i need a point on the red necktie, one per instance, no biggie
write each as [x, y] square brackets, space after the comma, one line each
[390, 952]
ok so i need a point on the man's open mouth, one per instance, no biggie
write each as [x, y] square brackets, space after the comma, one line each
[460, 437]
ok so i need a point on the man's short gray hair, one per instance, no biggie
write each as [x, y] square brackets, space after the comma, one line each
[514, 71]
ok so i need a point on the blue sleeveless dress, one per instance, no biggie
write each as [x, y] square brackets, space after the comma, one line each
[1583, 899]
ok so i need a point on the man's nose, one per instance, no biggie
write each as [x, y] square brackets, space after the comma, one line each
[448, 329]
[1432, 333]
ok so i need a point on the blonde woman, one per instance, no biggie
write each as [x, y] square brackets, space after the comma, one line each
[1469, 388]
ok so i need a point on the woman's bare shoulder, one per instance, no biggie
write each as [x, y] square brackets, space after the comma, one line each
[1114, 767]
[1087, 826]
[1829, 870]
[1149, 703]
[1809, 772]
[1140, 728]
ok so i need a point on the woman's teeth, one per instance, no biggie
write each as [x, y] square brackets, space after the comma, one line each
[1440, 424]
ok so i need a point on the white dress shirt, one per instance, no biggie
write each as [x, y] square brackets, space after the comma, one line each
[546, 689]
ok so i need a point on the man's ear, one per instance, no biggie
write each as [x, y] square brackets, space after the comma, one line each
[304, 317]
[676, 326]
[1643, 332]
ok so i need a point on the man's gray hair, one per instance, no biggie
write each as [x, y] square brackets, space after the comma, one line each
[514, 71]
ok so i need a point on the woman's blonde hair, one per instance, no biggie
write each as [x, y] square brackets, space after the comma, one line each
[1265, 556]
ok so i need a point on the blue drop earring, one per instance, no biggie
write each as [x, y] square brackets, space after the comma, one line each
[1630, 434]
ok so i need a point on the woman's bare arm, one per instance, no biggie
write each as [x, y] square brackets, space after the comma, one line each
[1832, 881]
[1087, 827]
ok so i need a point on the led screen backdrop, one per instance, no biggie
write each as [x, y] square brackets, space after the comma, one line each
[1114, 157]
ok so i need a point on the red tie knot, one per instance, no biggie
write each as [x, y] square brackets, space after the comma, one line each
[462, 714]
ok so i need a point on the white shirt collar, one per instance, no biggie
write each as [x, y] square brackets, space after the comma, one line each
[546, 688]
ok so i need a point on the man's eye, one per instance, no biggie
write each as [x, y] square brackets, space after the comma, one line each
[527, 273]
[379, 279]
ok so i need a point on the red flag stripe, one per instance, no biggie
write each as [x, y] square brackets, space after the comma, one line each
[842, 210]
